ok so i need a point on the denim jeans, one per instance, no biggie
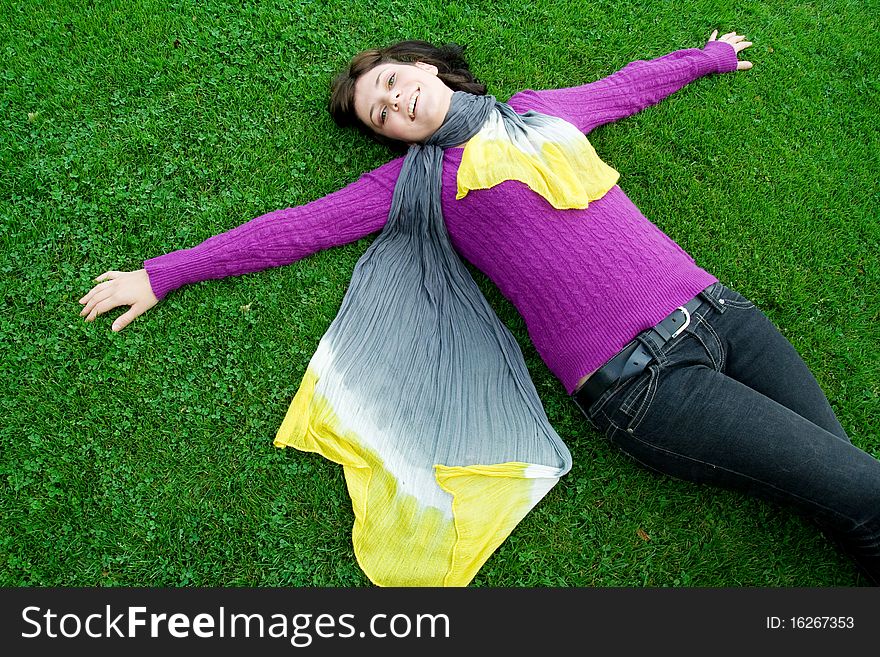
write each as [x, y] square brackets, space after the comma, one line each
[730, 402]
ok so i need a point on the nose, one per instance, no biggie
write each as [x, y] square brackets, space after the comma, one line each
[394, 99]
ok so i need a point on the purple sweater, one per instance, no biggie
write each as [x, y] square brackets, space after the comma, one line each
[585, 281]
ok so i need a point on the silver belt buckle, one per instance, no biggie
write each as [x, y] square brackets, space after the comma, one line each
[687, 321]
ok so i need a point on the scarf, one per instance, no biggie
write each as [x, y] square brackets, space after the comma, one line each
[417, 388]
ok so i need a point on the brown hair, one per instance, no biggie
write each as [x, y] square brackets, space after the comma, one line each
[452, 69]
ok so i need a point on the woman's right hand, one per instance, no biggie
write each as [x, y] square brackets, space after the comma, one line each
[119, 288]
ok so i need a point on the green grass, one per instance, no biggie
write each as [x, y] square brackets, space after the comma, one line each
[145, 458]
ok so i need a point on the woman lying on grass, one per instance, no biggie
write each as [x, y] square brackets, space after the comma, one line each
[421, 393]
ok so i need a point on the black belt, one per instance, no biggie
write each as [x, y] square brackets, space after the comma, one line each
[634, 358]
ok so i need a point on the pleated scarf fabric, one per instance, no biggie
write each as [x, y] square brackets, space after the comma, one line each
[420, 392]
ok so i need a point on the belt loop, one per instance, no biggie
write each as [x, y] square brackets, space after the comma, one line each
[649, 340]
[708, 295]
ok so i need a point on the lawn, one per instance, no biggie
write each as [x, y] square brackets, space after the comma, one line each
[131, 129]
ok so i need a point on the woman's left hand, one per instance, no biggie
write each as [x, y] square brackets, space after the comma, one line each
[736, 40]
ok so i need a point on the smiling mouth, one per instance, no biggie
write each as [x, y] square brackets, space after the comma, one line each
[412, 104]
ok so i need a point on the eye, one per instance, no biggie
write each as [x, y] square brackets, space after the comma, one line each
[391, 80]
[383, 114]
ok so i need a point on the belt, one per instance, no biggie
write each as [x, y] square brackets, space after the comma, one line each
[634, 358]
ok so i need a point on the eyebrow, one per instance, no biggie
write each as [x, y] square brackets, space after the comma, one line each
[373, 107]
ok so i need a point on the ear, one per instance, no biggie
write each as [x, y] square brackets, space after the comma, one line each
[430, 68]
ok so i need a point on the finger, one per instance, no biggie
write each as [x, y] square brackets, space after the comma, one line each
[96, 297]
[89, 294]
[713, 35]
[97, 288]
[126, 318]
[107, 275]
[101, 307]
[743, 66]
[743, 45]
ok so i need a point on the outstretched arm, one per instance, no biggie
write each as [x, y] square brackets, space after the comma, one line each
[270, 240]
[637, 85]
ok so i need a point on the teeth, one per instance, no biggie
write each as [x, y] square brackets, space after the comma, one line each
[412, 104]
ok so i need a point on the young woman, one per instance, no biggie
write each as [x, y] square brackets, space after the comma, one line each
[685, 375]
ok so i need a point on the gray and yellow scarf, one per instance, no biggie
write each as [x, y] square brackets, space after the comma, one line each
[417, 388]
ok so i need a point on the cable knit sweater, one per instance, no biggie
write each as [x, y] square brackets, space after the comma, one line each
[585, 281]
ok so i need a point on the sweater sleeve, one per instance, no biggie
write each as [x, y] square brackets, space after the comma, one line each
[636, 86]
[283, 236]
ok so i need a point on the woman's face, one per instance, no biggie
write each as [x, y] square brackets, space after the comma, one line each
[407, 102]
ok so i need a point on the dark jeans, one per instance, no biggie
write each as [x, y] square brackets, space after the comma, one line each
[730, 402]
